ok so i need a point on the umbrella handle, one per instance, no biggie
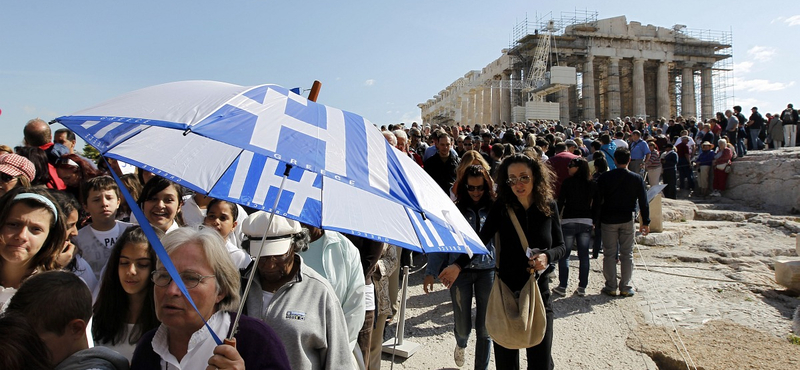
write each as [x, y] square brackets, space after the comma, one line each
[314, 91]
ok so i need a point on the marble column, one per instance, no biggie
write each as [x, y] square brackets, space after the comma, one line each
[487, 105]
[688, 103]
[496, 106]
[505, 96]
[614, 102]
[471, 107]
[707, 92]
[563, 106]
[662, 90]
[458, 112]
[588, 89]
[639, 107]
[480, 105]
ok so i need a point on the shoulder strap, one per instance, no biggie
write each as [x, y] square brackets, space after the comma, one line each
[517, 226]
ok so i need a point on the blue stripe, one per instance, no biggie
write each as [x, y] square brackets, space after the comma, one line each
[356, 147]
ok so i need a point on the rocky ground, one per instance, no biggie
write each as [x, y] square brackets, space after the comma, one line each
[706, 299]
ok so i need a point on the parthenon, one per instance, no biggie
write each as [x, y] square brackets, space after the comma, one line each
[623, 69]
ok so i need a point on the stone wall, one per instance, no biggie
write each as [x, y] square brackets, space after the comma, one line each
[768, 180]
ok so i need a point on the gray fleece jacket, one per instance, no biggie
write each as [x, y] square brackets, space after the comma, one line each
[96, 358]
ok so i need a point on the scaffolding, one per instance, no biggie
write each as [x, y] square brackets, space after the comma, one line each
[721, 71]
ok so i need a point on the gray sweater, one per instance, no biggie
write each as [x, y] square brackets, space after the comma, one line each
[100, 358]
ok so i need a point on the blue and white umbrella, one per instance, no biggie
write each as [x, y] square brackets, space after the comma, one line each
[235, 142]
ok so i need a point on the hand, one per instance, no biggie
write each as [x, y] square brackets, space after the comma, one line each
[225, 357]
[538, 261]
[449, 275]
[644, 229]
[427, 284]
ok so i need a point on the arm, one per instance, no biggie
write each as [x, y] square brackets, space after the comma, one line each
[435, 262]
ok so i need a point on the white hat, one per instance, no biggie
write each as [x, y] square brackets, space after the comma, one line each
[278, 237]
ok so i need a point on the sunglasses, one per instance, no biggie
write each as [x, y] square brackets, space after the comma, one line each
[4, 177]
[514, 180]
[474, 188]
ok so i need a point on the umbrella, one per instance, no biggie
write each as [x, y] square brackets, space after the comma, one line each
[236, 143]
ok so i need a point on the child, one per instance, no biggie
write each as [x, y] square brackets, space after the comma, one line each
[100, 199]
[704, 160]
[124, 309]
[58, 305]
[161, 202]
[221, 216]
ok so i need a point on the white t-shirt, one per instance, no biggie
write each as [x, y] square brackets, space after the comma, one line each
[123, 347]
[108, 238]
[266, 298]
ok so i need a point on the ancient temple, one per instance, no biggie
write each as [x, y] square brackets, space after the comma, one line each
[623, 69]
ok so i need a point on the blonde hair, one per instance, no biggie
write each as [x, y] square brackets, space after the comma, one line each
[468, 159]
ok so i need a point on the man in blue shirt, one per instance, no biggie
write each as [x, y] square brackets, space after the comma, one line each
[640, 152]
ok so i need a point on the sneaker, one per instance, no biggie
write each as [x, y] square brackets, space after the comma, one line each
[458, 356]
[581, 292]
[560, 291]
[627, 293]
[609, 292]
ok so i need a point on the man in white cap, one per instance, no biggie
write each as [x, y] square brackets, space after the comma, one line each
[293, 299]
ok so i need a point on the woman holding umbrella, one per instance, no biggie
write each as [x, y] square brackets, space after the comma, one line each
[182, 341]
[525, 188]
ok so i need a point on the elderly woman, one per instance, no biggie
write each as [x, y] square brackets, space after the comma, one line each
[292, 298]
[722, 159]
[182, 341]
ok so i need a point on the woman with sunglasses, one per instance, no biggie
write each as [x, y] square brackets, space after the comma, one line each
[526, 187]
[292, 298]
[15, 171]
[575, 205]
[182, 341]
[476, 195]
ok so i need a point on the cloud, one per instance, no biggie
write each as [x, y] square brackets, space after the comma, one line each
[369, 82]
[760, 85]
[762, 53]
[793, 20]
[743, 67]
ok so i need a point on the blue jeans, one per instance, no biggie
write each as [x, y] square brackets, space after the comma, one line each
[478, 283]
[582, 234]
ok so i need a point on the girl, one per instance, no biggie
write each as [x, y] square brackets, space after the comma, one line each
[575, 203]
[15, 171]
[32, 233]
[70, 257]
[124, 309]
[161, 202]
[221, 216]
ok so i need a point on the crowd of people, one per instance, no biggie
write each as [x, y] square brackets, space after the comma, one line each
[81, 285]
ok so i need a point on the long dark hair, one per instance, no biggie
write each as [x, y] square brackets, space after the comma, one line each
[39, 159]
[462, 196]
[583, 173]
[113, 303]
[542, 183]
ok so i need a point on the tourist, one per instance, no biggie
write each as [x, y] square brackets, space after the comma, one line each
[21, 347]
[101, 199]
[58, 305]
[790, 121]
[618, 193]
[704, 162]
[607, 148]
[221, 216]
[476, 195]
[15, 171]
[685, 173]
[653, 164]
[559, 164]
[775, 131]
[315, 330]
[381, 277]
[470, 158]
[669, 166]
[125, 309]
[525, 185]
[575, 207]
[600, 167]
[32, 233]
[71, 258]
[213, 282]
[161, 202]
[722, 161]
[74, 171]
[442, 166]
[37, 135]
[42, 175]
[756, 124]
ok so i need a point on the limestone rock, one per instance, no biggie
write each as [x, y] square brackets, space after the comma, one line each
[767, 179]
[666, 238]
[787, 273]
[714, 215]
[678, 210]
[797, 241]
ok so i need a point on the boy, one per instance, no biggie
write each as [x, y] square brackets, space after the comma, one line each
[100, 198]
[704, 161]
[58, 305]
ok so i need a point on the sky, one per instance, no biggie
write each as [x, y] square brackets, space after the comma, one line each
[375, 58]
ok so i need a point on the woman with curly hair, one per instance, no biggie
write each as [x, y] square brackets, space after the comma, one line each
[525, 188]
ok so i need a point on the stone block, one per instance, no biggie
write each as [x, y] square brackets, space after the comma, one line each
[797, 242]
[787, 273]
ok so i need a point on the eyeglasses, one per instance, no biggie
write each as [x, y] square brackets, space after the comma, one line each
[190, 279]
[5, 178]
[474, 188]
[514, 180]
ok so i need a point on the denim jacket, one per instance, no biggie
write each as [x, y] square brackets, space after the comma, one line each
[436, 261]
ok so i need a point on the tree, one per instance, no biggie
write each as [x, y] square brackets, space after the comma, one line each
[90, 152]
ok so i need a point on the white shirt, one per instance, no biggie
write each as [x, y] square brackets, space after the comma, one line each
[201, 344]
[123, 347]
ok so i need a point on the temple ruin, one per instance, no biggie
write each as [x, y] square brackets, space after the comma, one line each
[621, 69]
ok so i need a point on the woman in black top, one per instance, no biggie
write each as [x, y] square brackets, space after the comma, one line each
[525, 185]
[575, 203]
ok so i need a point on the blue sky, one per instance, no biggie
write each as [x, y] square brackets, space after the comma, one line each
[376, 58]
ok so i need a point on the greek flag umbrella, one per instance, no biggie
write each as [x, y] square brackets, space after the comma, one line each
[238, 143]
